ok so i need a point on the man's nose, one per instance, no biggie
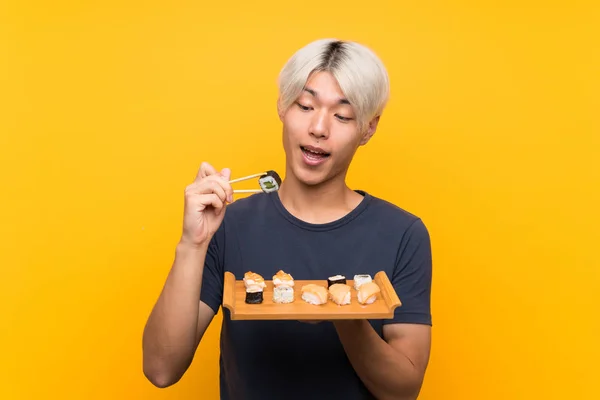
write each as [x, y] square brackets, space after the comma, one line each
[319, 127]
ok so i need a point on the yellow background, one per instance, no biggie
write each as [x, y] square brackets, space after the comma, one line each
[492, 136]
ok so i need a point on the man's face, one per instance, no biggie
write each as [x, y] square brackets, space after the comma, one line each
[320, 132]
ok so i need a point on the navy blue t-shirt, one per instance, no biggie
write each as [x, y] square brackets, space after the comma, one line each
[292, 359]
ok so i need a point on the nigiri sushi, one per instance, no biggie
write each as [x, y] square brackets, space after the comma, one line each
[367, 293]
[283, 279]
[314, 294]
[254, 280]
[336, 279]
[283, 294]
[340, 293]
[361, 279]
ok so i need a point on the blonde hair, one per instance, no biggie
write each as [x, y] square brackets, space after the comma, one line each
[360, 73]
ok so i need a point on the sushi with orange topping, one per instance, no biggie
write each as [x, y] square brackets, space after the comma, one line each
[314, 294]
[282, 278]
[255, 285]
[340, 293]
[283, 290]
[367, 293]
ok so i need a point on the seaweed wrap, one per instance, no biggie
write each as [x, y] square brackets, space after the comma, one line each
[254, 295]
[332, 280]
[269, 182]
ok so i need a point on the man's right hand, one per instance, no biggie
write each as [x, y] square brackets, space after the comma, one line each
[205, 203]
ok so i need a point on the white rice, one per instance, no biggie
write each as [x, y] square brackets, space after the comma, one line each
[360, 280]
[370, 300]
[264, 181]
[311, 298]
[283, 294]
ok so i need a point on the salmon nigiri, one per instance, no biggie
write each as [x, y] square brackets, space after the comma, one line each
[283, 279]
[254, 280]
[367, 293]
[314, 294]
[340, 293]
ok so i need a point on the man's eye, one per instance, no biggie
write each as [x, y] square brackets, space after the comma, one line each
[344, 119]
[305, 108]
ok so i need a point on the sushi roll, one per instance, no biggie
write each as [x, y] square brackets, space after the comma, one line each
[254, 295]
[360, 280]
[314, 294]
[336, 279]
[283, 294]
[269, 182]
[340, 293]
[254, 280]
[283, 279]
[367, 293]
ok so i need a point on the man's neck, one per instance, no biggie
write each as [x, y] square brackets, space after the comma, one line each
[318, 204]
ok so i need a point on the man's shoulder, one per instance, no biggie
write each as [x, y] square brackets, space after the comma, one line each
[250, 205]
[391, 214]
[250, 211]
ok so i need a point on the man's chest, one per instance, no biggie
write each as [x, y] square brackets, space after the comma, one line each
[309, 255]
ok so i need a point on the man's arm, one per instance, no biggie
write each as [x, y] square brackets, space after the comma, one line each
[193, 291]
[178, 320]
[392, 367]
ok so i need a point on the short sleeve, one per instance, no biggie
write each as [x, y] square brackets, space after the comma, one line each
[412, 277]
[211, 291]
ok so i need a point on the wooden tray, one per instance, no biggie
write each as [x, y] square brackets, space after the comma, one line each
[234, 296]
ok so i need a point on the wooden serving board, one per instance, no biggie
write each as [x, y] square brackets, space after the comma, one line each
[234, 299]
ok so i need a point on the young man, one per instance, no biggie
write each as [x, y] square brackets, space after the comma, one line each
[332, 94]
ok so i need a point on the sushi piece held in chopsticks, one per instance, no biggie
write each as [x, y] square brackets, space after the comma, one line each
[283, 294]
[340, 293]
[367, 293]
[283, 279]
[359, 280]
[336, 279]
[269, 182]
[254, 295]
[254, 280]
[314, 294]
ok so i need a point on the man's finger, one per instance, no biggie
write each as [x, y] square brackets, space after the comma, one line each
[226, 174]
[223, 183]
[211, 184]
[205, 170]
[211, 200]
[215, 187]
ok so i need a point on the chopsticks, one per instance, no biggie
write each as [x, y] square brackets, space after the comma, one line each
[247, 177]
[244, 179]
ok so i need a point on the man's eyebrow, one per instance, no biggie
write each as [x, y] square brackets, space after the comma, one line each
[315, 94]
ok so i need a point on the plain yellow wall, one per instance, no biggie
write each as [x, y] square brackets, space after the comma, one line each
[491, 136]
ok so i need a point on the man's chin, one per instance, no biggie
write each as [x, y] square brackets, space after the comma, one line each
[312, 179]
[307, 177]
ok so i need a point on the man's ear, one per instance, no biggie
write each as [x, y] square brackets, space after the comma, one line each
[370, 130]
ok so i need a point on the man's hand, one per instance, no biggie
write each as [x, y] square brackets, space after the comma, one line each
[392, 367]
[205, 201]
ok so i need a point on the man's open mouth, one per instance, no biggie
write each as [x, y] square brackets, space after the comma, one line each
[313, 153]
